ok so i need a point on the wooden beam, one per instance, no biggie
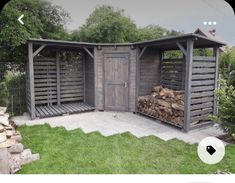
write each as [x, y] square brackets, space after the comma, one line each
[31, 80]
[188, 81]
[92, 56]
[181, 48]
[38, 50]
[58, 78]
[142, 52]
[216, 54]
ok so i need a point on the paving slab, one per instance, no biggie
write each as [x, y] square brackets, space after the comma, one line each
[110, 123]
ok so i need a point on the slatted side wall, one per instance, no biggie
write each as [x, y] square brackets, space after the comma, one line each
[203, 85]
[45, 81]
[172, 73]
[71, 80]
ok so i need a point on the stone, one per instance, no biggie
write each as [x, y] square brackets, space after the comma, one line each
[30, 159]
[4, 119]
[3, 137]
[1, 128]
[2, 110]
[7, 143]
[16, 137]
[16, 148]
[10, 133]
[14, 164]
[9, 127]
[27, 157]
[4, 163]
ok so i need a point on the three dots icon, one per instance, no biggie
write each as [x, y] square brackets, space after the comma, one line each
[209, 23]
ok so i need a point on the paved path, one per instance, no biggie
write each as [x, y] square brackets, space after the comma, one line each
[110, 123]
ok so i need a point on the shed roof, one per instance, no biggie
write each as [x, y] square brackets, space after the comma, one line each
[165, 43]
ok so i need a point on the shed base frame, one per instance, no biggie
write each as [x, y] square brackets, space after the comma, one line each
[58, 110]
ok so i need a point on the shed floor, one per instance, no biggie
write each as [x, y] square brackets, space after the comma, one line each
[57, 110]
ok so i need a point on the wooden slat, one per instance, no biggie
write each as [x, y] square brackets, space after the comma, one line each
[71, 87]
[47, 76]
[203, 76]
[46, 68]
[203, 58]
[44, 110]
[204, 64]
[201, 112]
[78, 83]
[202, 100]
[200, 106]
[46, 80]
[45, 71]
[67, 108]
[72, 99]
[202, 88]
[43, 93]
[202, 117]
[44, 84]
[203, 82]
[44, 101]
[45, 89]
[44, 59]
[204, 70]
[202, 94]
[40, 111]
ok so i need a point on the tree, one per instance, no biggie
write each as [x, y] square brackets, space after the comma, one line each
[41, 20]
[154, 32]
[227, 65]
[107, 25]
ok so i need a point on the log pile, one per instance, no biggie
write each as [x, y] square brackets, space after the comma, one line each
[12, 152]
[164, 104]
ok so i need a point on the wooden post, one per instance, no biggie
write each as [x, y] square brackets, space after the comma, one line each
[137, 84]
[31, 80]
[216, 54]
[188, 81]
[58, 78]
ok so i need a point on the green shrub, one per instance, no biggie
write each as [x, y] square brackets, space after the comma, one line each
[226, 112]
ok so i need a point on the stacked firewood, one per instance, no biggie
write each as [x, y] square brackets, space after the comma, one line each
[164, 104]
[12, 152]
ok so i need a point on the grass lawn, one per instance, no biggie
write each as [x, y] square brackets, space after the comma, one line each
[74, 151]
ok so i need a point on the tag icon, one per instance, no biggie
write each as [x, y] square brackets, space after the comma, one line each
[210, 149]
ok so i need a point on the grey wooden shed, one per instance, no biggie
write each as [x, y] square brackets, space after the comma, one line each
[112, 76]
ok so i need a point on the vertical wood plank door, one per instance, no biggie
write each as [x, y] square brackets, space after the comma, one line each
[116, 81]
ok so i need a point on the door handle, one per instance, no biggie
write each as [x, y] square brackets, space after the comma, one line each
[125, 84]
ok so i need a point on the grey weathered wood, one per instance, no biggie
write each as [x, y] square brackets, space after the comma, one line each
[202, 94]
[92, 56]
[202, 76]
[188, 79]
[204, 64]
[58, 77]
[203, 58]
[142, 52]
[202, 88]
[202, 100]
[198, 118]
[203, 82]
[31, 80]
[38, 50]
[200, 112]
[216, 54]
[204, 70]
[181, 48]
[201, 106]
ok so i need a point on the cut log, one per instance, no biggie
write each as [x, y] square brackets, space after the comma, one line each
[164, 104]
[7, 143]
[4, 119]
[3, 137]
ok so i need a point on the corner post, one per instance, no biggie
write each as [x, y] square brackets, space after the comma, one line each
[216, 55]
[31, 80]
[58, 77]
[188, 81]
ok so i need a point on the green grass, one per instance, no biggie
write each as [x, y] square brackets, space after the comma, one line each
[74, 151]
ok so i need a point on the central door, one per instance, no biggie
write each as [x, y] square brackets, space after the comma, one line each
[116, 81]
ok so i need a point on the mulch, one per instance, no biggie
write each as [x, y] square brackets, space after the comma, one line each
[226, 138]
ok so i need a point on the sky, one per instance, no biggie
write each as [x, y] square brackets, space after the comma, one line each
[180, 15]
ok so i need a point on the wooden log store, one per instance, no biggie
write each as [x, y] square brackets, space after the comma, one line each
[65, 77]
